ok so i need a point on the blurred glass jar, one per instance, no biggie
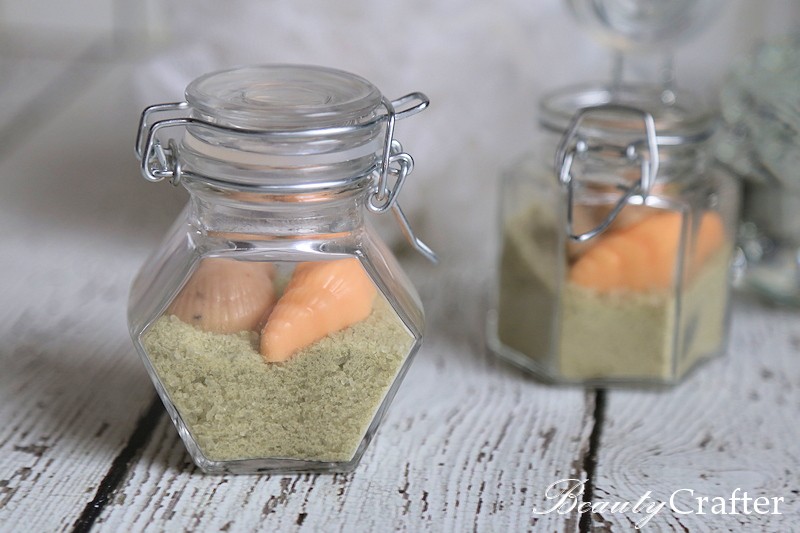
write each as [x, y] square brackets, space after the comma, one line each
[275, 324]
[761, 143]
[615, 268]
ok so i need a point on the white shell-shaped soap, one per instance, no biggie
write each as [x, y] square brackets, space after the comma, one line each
[226, 296]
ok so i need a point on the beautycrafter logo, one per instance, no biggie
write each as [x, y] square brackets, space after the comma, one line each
[565, 496]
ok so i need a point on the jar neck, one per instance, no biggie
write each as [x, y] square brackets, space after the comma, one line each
[241, 162]
[263, 216]
[256, 192]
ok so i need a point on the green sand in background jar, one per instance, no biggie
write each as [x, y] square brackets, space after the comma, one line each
[316, 406]
[614, 334]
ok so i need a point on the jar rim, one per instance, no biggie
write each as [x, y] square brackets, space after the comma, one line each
[680, 117]
[283, 97]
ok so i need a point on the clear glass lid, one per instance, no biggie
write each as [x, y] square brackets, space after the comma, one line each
[256, 119]
[283, 97]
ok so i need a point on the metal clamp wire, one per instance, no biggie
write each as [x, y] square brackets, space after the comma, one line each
[565, 157]
[394, 161]
[381, 193]
[157, 108]
[395, 110]
[400, 165]
[153, 147]
[630, 192]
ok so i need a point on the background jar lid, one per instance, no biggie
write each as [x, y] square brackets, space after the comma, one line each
[680, 117]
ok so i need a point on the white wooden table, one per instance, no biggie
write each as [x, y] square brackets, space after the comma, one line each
[470, 444]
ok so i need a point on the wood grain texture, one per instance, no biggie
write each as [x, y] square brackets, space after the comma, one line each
[466, 446]
[733, 424]
[71, 389]
[469, 444]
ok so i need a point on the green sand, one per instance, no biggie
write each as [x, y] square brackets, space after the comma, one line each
[316, 407]
[623, 334]
[627, 334]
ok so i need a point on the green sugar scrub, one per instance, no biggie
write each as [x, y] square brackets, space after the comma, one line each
[626, 334]
[528, 292]
[316, 406]
[582, 334]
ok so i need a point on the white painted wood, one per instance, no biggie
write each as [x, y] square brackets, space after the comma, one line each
[469, 444]
[466, 446]
[71, 389]
[733, 424]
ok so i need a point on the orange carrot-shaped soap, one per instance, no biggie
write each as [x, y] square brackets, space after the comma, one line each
[321, 298]
[643, 255]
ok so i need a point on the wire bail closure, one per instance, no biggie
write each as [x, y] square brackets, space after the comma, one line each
[572, 146]
[158, 162]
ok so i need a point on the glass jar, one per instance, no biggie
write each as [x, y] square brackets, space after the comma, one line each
[274, 322]
[615, 267]
[761, 121]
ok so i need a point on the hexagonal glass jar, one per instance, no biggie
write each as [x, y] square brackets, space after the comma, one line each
[614, 264]
[274, 322]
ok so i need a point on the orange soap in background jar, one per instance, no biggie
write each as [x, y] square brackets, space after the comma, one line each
[614, 266]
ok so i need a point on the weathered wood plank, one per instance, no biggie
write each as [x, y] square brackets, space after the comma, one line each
[733, 424]
[468, 445]
[71, 389]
